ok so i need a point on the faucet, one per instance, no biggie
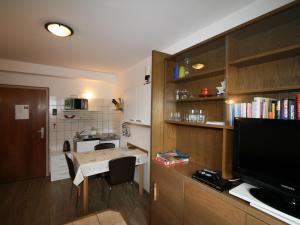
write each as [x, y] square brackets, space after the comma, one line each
[78, 133]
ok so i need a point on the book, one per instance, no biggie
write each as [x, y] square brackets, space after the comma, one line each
[172, 157]
[291, 109]
[297, 106]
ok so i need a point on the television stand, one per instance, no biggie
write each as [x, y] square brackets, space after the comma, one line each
[278, 201]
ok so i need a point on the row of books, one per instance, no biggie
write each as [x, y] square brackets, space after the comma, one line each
[267, 108]
[172, 157]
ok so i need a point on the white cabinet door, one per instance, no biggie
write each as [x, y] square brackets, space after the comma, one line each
[143, 106]
[130, 105]
[86, 146]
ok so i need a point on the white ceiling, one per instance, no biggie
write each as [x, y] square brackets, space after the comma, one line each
[109, 35]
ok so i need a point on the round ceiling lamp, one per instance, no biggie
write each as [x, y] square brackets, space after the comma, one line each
[59, 29]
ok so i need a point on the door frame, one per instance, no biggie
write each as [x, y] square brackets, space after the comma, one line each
[47, 116]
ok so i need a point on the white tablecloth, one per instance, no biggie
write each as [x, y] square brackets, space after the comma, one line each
[95, 162]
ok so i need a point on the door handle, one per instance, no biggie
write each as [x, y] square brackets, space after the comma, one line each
[155, 191]
[42, 131]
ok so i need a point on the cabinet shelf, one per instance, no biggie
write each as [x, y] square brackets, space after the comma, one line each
[200, 75]
[200, 99]
[265, 90]
[285, 52]
[198, 125]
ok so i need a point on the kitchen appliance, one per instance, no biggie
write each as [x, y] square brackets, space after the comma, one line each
[76, 104]
[66, 147]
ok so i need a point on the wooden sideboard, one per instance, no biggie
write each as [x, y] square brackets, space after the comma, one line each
[258, 59]
[177, 199]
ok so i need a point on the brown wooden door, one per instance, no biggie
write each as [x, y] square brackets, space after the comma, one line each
[22, 147]
[167, 205]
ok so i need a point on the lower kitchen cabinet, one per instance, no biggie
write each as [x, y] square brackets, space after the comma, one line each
[204, 208]
[166, 196]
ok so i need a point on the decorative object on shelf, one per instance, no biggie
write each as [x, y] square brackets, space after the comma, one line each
[198, 66]
[195, 116]
[147, 74]
[176, 116]
[204, 92]
[125, 130]
[69, 116]
[119, 104]
[221, 89]
[176, 72]
[187, 67]
[181, 72]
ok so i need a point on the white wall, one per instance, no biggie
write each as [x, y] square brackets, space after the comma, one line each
[140, 136]
[61, 87]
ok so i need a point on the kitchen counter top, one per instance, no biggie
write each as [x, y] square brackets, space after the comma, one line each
[101, 137]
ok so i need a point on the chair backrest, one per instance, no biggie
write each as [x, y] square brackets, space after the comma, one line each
[70, 166]
[121, 170]
[104, 146]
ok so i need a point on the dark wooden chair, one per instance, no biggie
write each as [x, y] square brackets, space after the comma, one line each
[102, 146]
[72, 175]
[121, 170]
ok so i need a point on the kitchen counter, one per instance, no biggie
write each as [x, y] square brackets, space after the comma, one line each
[101, 137]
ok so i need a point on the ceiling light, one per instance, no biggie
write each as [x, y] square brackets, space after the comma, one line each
[59, 29]
[198, 66]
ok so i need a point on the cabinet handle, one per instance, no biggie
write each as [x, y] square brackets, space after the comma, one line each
[138, 121]
[131, 119]
[155, 192]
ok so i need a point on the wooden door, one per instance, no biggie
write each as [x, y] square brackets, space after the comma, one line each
[167, 204]
[23, 135]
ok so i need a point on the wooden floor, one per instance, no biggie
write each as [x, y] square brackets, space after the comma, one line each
[41, 202]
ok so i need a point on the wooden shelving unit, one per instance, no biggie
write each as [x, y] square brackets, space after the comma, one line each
[261, 58]
[198, 125]
[266, 90]
[200, 75]
[276, 54]
[201, 99]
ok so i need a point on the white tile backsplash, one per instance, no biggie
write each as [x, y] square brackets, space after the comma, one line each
[101, 115]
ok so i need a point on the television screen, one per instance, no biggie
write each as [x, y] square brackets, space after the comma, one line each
[267, 153]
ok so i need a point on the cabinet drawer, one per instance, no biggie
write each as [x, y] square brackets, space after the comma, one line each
[204, 208]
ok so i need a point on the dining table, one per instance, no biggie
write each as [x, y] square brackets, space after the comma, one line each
[96, 162]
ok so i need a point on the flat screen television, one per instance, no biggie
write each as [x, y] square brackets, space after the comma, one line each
[266, 154]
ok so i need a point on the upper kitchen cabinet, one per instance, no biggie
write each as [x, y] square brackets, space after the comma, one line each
[137, 105]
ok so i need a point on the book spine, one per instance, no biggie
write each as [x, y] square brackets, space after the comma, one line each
[297, 103]
[285, 109]
[278, 109]
[291, 109]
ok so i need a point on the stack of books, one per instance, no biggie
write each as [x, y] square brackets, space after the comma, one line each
[267, 108]
[172, 157]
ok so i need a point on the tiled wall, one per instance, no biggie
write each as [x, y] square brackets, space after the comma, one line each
[101, 115]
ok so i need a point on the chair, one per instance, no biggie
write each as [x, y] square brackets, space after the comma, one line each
[104, 146]
[72, 175]
[121, 170]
